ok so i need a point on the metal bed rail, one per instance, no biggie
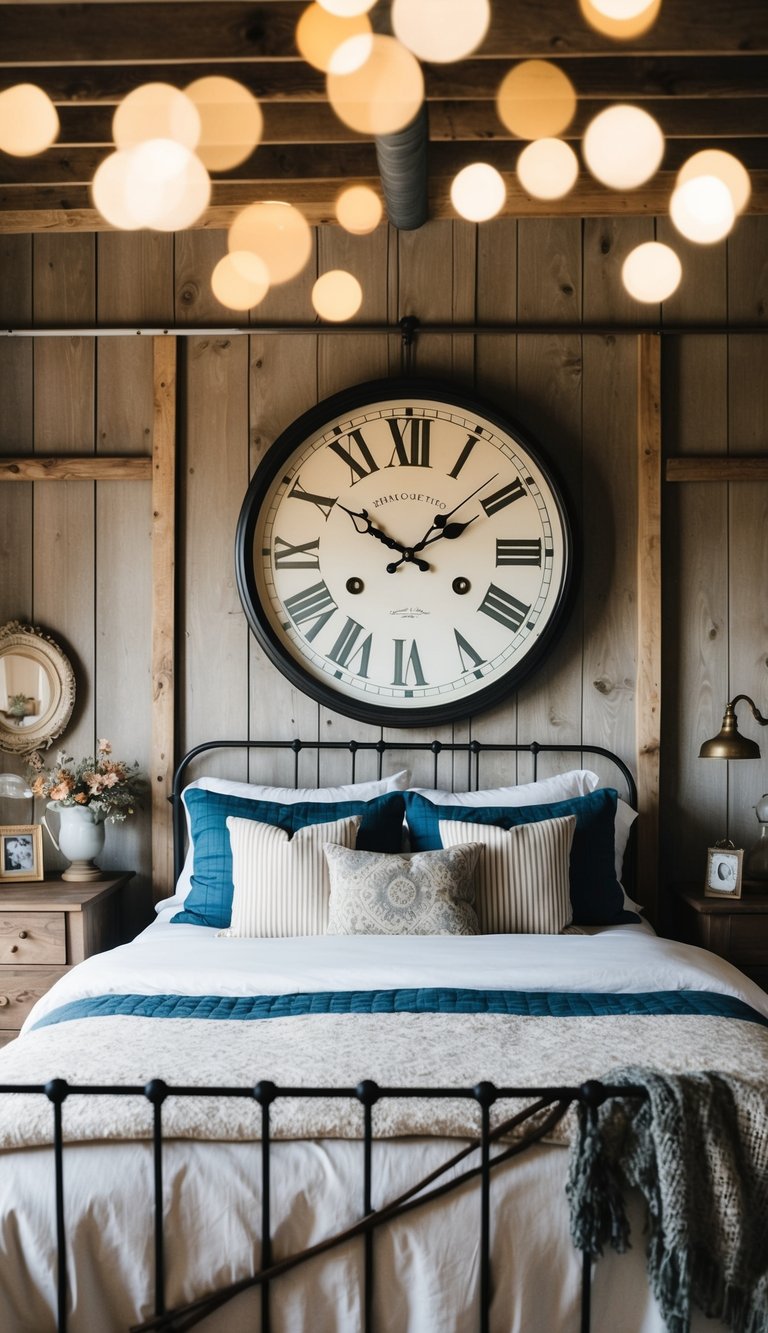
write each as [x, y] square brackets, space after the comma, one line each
[548, 1108]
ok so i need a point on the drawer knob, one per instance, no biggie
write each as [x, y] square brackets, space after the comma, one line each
[22, 934]
[14, 948]
[4, 1001]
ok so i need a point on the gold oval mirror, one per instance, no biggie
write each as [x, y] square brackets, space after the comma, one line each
[37, 688]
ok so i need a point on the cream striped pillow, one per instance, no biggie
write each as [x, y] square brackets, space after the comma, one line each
[523, 884]
[281, 882]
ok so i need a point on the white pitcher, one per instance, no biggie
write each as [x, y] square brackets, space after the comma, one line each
[81, 838]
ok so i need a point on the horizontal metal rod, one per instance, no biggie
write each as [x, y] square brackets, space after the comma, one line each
[388, 330]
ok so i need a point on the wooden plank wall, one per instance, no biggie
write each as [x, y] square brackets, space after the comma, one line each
[76, 557]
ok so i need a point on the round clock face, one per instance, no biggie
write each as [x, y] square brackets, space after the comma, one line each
[403, 554]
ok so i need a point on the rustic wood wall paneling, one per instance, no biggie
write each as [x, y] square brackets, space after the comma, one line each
[695, 563]
[133, 275]
[748, 517]
[283, 384]
[648, 566]
[549, 370]
[64, 588]
[163, 619]
[610, 488]
[213, 657]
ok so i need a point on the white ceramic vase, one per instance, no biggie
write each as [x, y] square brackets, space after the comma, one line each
[81, 839]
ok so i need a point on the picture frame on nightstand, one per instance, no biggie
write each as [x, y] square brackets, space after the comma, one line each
[724, 872]
[21, 853]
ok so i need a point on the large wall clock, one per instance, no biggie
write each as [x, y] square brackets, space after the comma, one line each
[404, 554]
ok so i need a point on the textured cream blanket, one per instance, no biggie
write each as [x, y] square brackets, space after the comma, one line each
[338, 1050]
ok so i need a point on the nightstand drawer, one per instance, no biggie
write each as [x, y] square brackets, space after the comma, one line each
[33, 937]
[20, 987]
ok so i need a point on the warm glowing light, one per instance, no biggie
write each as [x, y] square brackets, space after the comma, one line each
[167, 186]
[347, 8]
[156, 111]
[547, 168]
[278, 233]
[337, 295]
[230, 119]
[383, 94]
[320, 34]
[478, 192]
[29, 122]
[359, 209]
[240, 280]
[702, 209]
[536, 100]
[623, 146]
[621, 19]
[441, 30]
[726, 167]
[109, 191]
[651, 272]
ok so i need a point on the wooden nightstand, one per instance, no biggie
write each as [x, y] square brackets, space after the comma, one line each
[735, 928]
[44, 929]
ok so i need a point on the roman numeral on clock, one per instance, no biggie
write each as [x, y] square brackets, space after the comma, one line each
[463, 456]
[315, 604]
[411, 437]
[505, 608]
[506, 496]
[324, 503]
[345, 649]
[303, 556]
[469, 659]
[405, 663]
[518, 551]
[361, 465]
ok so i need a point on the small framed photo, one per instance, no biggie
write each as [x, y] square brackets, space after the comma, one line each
[21, 853]
[723, 878]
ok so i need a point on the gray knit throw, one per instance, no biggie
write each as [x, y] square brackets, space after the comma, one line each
[697, 1149]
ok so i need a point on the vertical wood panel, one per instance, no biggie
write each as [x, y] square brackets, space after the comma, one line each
[16, 418]
[648, 697]
[163, 609]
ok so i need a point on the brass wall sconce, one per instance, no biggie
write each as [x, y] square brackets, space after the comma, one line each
[729, 743]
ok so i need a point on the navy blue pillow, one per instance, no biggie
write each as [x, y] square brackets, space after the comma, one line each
[209, 901]
[597, 897]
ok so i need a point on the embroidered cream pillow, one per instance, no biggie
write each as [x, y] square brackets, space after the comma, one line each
[281, 882]
[421, 893]
[523, 882]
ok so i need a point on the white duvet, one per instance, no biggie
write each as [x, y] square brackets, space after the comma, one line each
[426, 1265]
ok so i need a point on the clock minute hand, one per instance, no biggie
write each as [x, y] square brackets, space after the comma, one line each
[441, 522]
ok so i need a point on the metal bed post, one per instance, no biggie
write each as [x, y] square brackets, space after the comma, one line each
[485, 1095]
[265, 1093]
[56, 1091]
[367, 1092]
[156, 1092]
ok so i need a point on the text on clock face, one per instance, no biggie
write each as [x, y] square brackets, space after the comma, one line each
[480, 546]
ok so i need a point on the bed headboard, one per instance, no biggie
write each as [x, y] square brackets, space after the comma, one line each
[468, 775]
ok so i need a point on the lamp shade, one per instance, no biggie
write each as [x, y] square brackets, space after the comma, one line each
[729, 743]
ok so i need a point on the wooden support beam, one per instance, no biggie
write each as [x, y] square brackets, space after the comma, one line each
[88, 468]
[733, 468]
[163, 610]
[648, 690]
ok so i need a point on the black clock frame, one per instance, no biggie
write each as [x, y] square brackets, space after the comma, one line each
[311, 422]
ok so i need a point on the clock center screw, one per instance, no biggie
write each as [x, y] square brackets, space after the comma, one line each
[461, 586]
[355, 585]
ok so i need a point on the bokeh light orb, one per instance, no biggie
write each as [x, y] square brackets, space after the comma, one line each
[319, 34]
[278, 233]
[337, 295]
[621, 19]
[156, 111]
[726, 167]
[478, 192]
[441, 30]
[168, 187]
[231, 123]
[109, 192]
[702, 209]
[651, 272]
[359, 210]
[383, 93]
[347, 8]
[29, 122]
[547, 168]
[536, 100]
[240, 280]
[623, 146]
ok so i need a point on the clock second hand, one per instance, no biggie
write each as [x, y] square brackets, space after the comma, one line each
[441, 528]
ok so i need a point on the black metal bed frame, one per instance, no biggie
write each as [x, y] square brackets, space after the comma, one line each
[549, 1106]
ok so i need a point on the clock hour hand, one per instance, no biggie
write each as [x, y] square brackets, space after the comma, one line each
[406, 556]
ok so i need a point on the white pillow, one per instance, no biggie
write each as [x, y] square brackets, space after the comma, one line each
[577, 782]
[522, 880]
[251, 791]
[625, 818]
[281, 882]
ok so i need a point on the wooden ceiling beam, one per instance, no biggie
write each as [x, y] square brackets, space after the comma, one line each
[223, 29]
[52, 208]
